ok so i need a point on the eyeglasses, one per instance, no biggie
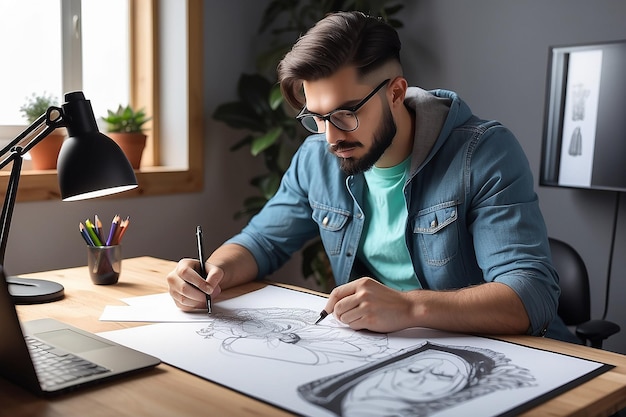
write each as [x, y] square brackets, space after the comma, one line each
[343, 118]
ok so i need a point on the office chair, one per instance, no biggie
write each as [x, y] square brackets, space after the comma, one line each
[574, 302]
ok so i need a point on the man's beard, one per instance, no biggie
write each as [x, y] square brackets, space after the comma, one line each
[382, 140]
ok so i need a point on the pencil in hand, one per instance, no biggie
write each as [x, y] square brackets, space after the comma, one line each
[203, 273]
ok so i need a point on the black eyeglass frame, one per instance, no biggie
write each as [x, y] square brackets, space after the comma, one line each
[327, 117]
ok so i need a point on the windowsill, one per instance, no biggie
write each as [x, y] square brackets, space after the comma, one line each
[43, 185]
[153, 180]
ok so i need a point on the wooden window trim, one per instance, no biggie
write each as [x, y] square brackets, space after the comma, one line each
[154, 179]
[144, 77]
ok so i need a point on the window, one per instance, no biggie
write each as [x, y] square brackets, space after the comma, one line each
[182, 21]
[30, 59]
[61, 46]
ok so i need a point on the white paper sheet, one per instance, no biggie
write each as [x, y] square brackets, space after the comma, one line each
[159, 308]
[580, 118]
[264, 345]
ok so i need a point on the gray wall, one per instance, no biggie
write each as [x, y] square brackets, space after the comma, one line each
[492, 52]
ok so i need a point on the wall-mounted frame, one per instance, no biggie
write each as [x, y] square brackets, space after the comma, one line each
[584, 141]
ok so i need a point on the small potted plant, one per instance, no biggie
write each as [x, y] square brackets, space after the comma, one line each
[125, 126]
[44, 155]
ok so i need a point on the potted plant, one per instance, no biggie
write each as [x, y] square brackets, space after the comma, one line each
[125, 127]
[44, 155]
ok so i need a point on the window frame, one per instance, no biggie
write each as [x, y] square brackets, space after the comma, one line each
[153, 179]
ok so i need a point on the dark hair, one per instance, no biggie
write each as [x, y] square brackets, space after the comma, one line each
[338, 40]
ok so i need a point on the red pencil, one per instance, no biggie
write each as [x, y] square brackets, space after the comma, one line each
[116, 236]
[123, 227]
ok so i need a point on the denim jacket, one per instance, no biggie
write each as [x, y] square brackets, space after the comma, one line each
[473, 215]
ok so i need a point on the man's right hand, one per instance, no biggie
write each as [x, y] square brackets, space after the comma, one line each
[188, 289]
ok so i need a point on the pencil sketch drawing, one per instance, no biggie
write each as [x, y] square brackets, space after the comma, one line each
[417, 382]
[287, 334]
[264, 344]
[576, 143]
[579, 96]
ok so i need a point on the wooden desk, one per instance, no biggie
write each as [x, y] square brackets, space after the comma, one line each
[167, 391]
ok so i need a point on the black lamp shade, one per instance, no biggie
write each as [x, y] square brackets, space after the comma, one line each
[90, 164]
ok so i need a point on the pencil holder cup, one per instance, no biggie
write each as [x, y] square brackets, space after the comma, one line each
[104, 263]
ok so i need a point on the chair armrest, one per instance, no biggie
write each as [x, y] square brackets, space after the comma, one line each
[596, 331]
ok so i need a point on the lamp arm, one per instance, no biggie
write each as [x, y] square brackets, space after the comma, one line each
[9, 203]
[52, 119]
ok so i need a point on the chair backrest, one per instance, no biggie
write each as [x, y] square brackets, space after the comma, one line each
[574, 302]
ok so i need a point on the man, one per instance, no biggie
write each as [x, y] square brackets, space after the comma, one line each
[427, 213]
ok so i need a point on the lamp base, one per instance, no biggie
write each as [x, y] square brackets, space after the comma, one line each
[34, 291]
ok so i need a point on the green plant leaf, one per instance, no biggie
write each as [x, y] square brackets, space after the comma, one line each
[254, 90]
[239, 115]
[276, 97]
[273, 10]
[267, 60]
[36, 105]
[126, 119]
[242, 142]
[394, 9]
[263, 142]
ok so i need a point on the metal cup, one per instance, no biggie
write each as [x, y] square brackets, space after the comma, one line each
[104, 263]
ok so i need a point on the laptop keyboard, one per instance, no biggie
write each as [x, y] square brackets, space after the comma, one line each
[55, 366]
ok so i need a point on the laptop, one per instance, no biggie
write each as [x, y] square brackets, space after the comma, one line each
[25, 347]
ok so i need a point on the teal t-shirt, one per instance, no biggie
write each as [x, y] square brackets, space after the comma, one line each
[382, 247]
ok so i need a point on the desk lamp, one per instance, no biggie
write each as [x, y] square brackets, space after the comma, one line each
[89, 165]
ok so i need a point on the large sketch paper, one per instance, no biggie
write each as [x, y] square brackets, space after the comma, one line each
[158, 308]
[264, 345]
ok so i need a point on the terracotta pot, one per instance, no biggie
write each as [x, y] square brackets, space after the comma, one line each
[132, 144]
[44, 155]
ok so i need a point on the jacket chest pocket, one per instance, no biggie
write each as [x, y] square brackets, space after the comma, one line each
[332, 225]
[436, 232]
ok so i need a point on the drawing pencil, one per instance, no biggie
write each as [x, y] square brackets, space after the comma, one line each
[92, 233]
[118, 231]
[114, 224]
[123, 227]
[97, 226]
[323, 315]
[116, 236]
[85, 235]
[202, 268]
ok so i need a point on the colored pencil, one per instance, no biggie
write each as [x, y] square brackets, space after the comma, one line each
[84, 234]
[123, 228]
[114, 224]
[92, 233]
[97, 228]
